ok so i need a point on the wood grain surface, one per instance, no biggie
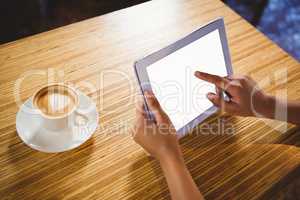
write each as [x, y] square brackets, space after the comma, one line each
[256, 160]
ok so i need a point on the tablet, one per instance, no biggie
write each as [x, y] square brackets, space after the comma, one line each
[169, 74]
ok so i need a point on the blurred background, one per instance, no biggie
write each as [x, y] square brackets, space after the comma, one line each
[278, 19]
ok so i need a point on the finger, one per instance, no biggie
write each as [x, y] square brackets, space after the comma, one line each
[218, 101]
[140, 107]
[141, 118]
[152, 102]
[226, 95]
[220, 82]
[218, 91]
[155, 108]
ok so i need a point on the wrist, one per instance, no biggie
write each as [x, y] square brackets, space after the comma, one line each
[267, 106]
[171, 157]
[270, 104]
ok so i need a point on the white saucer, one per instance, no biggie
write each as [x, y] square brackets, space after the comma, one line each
[31, 132]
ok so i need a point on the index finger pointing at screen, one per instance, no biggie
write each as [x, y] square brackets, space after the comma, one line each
[217, 80]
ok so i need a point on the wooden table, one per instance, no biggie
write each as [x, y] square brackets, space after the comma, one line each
[254, 162]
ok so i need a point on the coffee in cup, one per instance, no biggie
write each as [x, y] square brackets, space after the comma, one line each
[57, 104]
[55, 100]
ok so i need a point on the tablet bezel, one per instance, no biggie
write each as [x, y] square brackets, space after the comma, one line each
[142, 75]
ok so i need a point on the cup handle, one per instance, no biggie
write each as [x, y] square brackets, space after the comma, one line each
[80, 119]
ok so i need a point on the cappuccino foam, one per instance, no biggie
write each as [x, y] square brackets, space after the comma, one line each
[55, 100]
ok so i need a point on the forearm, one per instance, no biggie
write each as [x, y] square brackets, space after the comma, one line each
[180, 182]
[283, 110]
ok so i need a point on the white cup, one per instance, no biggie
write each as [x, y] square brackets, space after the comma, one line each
[68, 119]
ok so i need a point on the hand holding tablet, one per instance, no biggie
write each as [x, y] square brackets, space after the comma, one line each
[169, 74]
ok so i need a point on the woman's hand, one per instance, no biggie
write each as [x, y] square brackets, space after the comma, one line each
[158, 139]
[246, 98]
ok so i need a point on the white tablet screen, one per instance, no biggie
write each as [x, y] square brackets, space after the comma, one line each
[181, 95]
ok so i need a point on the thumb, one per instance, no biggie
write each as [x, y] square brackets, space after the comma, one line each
[155, 107]
[218, 101]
